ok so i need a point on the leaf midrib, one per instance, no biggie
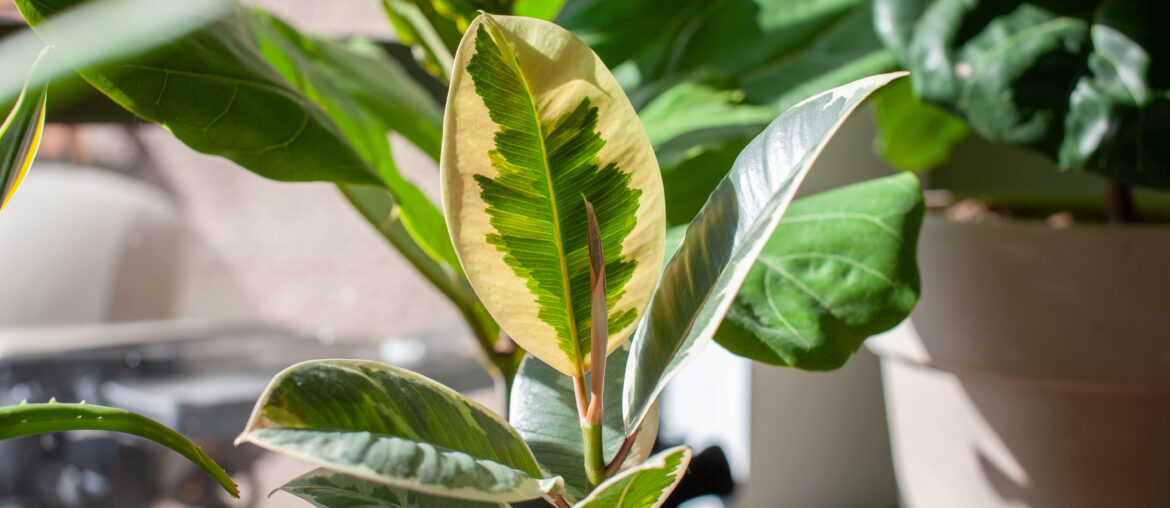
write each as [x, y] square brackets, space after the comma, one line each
[506, 49]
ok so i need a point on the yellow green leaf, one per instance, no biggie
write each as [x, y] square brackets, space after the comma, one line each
[536, 125]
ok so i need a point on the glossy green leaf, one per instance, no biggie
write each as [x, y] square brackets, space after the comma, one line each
[535, 126]
[28, 419]
[97, 32]
[646, 485]
[1084, 82]
[544, 411]
[327, 489]
[700, 281]
[913, 134]
[392, 426]
[20, 136]
[216, 92]
[841, 266]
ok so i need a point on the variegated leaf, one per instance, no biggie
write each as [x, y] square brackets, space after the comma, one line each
[388, 425]
[535, 125]
[328, 489]
[643, 486]
[20, 135]
[722, 243]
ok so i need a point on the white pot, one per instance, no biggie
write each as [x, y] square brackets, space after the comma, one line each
[1036, 371]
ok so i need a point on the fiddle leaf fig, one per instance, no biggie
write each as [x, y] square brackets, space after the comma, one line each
[392, 426]
[526, 142]
[1084, 82]
[840, 267]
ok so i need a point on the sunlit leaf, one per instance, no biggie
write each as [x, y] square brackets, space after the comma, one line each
[20, 136]
[327, 489]
[392, 426]
[534, 126]
[28, 419]
[840, 267]
[646, 485]
[720, 246]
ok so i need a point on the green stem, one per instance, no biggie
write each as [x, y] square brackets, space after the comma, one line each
[594, 456]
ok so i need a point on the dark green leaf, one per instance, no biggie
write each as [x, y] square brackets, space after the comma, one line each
[217, 93]
[327, 489]
[98, 32]
[700, 281]
[392, 426]
[544, 411]
[29, 419]
[1085, 82]
[840, 267]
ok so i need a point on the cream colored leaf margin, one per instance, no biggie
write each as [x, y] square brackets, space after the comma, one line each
[560, 70]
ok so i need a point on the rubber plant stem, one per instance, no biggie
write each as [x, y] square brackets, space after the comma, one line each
[591, 425]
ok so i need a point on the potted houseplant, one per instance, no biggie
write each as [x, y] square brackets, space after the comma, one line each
[296, 107]
[1038, 375]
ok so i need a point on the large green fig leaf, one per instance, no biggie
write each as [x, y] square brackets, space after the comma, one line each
[217, 93]
[535, 125]
[1085, 82]
[840, 267]
[327, 489]
[28, 419]
[544, 411]
[643, 486]
[392, 426]
[720, 246]
[20, 135]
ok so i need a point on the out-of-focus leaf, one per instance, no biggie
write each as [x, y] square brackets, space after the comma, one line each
[28, 419]
[20, 136]
[646, 485]
[98, 32]
[535, 125]
[1085, 82]
[327, 489]
[539, 9]
[913, 134]
[392, 426]
[841, 266]
[217, 93]
[544, 411]
[720, 246]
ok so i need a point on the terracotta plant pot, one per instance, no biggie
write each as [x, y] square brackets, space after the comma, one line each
[1036, 368]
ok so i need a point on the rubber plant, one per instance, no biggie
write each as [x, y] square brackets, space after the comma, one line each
[553, 200]
[297, 107]
[77, 39]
